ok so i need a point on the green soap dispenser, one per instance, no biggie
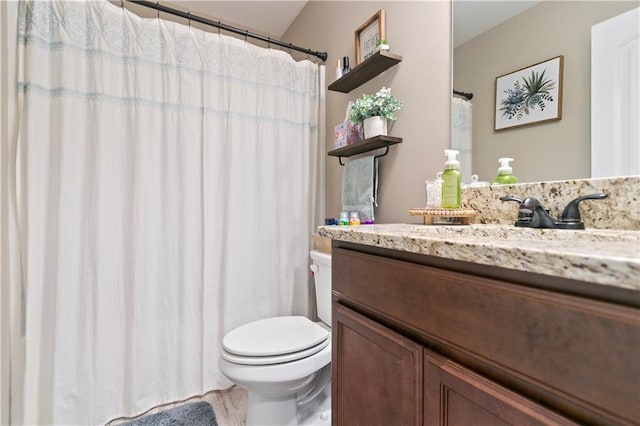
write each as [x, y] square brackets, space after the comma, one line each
[505, 173]
[451, 181]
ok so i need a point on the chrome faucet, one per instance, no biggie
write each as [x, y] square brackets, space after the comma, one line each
[531, 214]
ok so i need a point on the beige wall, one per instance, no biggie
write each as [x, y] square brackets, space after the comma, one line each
[420, 33]
[550, 151]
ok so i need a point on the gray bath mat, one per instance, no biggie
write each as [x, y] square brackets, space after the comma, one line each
[192, 414]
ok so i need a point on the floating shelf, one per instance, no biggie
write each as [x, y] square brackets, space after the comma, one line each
[365, 145]
[365, 71]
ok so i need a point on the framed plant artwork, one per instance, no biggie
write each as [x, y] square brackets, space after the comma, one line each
[530, 95]
[368, 34]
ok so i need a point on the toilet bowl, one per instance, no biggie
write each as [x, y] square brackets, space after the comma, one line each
[284, 362]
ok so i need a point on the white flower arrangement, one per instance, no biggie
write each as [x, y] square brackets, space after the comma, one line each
[382, 104]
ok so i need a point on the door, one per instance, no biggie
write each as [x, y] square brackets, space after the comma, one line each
[377, 373]
[615, 128]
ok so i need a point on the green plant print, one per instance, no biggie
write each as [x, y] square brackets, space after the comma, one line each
[524, 97]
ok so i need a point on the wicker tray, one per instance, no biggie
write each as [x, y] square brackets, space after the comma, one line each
[322, 243]
[431, 216]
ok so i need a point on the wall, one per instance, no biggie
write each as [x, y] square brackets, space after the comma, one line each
[420, 33]
[550, 151]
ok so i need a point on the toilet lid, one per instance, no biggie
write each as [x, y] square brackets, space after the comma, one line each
[274, 336]
[276, 359]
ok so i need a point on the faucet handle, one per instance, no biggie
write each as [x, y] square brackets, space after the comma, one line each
[526, 211]
[511, 198]
[570, 218]
[523, 217]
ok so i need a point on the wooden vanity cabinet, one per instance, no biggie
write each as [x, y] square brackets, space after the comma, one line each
[421, 340]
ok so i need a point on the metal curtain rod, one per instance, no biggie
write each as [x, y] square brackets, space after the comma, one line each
[465, 95]
[222, 25]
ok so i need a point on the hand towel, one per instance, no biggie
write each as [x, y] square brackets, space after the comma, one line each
[360, 186]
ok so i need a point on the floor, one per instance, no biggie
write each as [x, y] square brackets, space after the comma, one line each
[229, 406]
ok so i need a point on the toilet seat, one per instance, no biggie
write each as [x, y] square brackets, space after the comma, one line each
[276, 359]
[274, 340]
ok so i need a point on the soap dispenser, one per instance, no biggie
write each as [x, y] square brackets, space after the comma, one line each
[505, 173]
[451, 181]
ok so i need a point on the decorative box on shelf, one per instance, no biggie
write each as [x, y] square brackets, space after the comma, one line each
[347, 133]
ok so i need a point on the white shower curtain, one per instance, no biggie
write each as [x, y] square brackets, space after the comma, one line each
[461, 110]
[167, 183]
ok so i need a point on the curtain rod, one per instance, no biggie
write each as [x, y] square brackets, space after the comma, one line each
[466, 95]
[226, 27]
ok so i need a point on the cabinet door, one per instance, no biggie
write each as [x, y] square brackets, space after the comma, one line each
[457, 396]
[377, 373]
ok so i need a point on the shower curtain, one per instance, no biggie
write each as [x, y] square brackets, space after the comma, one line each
[166, 181]
[461, 134]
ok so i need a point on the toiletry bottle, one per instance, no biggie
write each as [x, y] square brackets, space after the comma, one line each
[505, 173]
[345, 65]
[344, 218]
[451, 181]
[354, 218]
[339, 69]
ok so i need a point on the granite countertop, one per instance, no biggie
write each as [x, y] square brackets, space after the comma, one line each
[608, 257]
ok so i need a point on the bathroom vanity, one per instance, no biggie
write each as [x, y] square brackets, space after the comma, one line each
[484, 325]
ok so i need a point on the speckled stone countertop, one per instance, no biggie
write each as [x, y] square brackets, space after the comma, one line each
[620, 210]
[607, 257]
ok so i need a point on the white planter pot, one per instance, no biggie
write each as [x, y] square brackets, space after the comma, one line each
[374, 126]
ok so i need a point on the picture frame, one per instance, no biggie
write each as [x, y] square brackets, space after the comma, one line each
[367, 36]
[530, 95]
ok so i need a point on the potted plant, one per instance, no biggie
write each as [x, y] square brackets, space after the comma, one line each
[382, 44]
[373, 111]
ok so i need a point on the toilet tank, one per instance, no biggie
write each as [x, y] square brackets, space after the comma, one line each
[321, 267]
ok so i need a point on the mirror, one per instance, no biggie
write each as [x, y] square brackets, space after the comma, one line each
[494, 38]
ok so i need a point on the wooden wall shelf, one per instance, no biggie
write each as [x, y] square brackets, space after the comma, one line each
[378, 63]
[364, 146]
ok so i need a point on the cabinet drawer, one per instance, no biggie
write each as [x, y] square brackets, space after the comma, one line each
[579, 354]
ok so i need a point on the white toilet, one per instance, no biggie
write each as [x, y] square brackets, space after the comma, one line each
[285, 362]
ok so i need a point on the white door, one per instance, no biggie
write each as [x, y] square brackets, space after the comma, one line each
[615, 117]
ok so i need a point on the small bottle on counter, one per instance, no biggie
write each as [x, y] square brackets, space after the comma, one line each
[354, 219]
[344, 218]
[366, 219]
